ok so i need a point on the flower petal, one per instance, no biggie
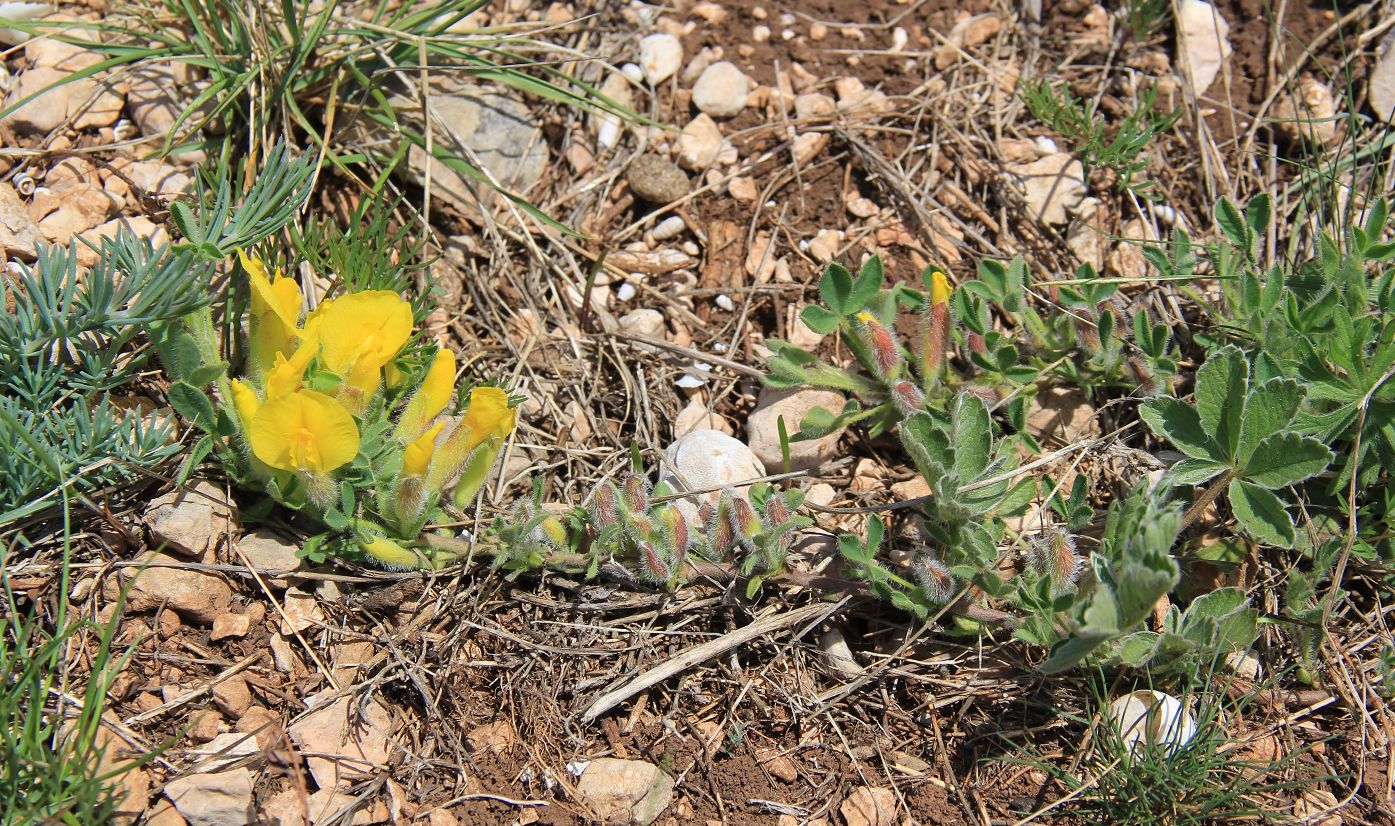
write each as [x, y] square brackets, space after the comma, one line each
[304, 431]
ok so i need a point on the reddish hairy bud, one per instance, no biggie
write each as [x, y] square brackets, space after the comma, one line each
[907, 398]
[935, 580]
[882, 344]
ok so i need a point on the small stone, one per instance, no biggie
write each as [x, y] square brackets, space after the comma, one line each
[163, 813]
[699, 144]
[1245, 664]
[213, 798]
[158, 177]
[268, 553]
[721, 91]
[838, 656]
[229, 624]
[760, 260]
[1318, 807]
[1204, 40]
[1312, 117]
[910, 489]
[283, 809]
[742, 189]
[625, 791]
[869, 806]
[660, 56]
[139, 226]
[710, 459]
[793, 405]
[1052, 185]
[760, 34]
[18, 233]
[1380, 86]
[167, 581]
[853, 96]
[825, 245]
[978, 30]
[300, 611]
[607, 126]
[779, 765]
[860, 206]
[47, 111]
[232, 696]
[264, 725]
[814, 105]
[206, 725]
[807, 146]
[696, 416]
[190, 521]
[656, 180]
[821, 494]
[645, 322]
[498, 737]
[153, 98]
[351, 746]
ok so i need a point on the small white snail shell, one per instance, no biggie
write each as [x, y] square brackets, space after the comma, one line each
[1152, 717]
[24, 183]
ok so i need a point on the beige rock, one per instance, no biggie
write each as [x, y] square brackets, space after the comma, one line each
[50, 103]
[214, 798]
[646, 322]
[163, 813]
[869, 806]
[229, 624]
[191, 520]
[760, 258]
[814, 105]
[1318, 807]
[779, 765]
[699, 144]
[139, 226]
[838, 655]
[1053, 185]
[910, 489]
[154, 98]
[721, 91]
[742, 189]
[18, 233]
[498, 737]
[158, 177]
[355, 743]
[299, 611]
[1063, 414]
[232, 696]
[1204, 41]
[1308, 113]
[196, 595]
[793, 405]
[807, 146]
[285, 808]
[328, 806]
[696, 416]
[826, 244]
[660, 57]
[854, 97]
[1380, 86]
[707, 459]
[268, 553]
[264, 725]
[625, 791]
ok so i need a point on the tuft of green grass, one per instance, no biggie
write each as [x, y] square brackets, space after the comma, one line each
[1081, 124]
[1145, 17]
[53, 766]
[1206, 780]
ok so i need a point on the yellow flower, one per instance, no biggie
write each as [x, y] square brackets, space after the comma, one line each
[417, 457]
[392, 555]
[488, 417]
[431, 397]
[359, 334]
[304, 431]
[275, 311]
[286, 375]
[940, 290]
[245, 402]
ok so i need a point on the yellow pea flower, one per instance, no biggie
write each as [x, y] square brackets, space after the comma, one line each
[940, 290]
[392, 555]
[286, 375]
[304, 431]
[488, 417]
[934, 331]
[417, 457]
[245, 402]
[431, 397]
[275, 306]
[359, 333]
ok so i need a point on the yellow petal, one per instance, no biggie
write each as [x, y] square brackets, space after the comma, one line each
[360, 330]
[391, 554]
[286, 375]
[304, 431]
[940, 290]
[489, 413]
[245, 402]
[417, 457]
[431, 397]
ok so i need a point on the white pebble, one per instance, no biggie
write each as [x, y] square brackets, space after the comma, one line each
[670, 227]
[760, 34]
[625, 292]
[632, 72]
[724, 301]
[786, 19]
[787, 34]
[1165, 213]
[1045, 146]
[899, 38]
[691, 247]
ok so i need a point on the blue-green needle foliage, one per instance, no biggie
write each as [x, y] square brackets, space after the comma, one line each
[73, 342]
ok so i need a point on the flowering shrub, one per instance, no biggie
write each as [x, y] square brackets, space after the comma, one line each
[328, 419]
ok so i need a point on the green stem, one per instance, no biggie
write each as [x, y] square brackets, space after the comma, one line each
[1207, 497]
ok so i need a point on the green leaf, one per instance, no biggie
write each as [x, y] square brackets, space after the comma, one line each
[1142, 582]
[868, 284]
[1261, 514]
[1137, 649]
[1180, 424]
[1195, 471]
[194, 405]
[1269, 408]
[178, 351]
[818, 319]
[1287, 458]
[1228, 218]
[1258, 212]
[1221, 385]
[835, 287]
[971, 436]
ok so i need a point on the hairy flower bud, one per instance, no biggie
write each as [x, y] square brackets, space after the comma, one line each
[907, 398]
[777, 512]
[676, 532]
[882, 343]
[721, 537]
[934, 329]
[652, 565]
[605, 506]
[637, 493]
[935, 579]
[1052, 555]
[744, 521]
